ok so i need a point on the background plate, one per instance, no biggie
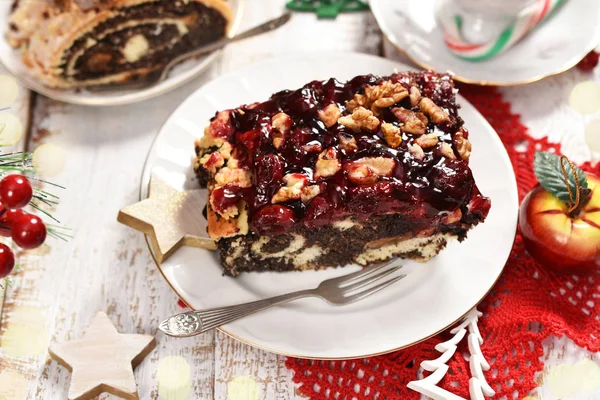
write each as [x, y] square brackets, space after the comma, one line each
[181, 74]
[432, 297]
[553, 47]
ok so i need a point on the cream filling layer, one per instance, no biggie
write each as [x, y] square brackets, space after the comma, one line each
[427, 247]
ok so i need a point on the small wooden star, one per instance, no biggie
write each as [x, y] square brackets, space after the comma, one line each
[171, 218]
[103, 360]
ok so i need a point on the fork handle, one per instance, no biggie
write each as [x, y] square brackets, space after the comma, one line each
[257, 30]
[195, 322]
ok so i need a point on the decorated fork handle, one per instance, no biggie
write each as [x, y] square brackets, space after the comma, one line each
[193, 323]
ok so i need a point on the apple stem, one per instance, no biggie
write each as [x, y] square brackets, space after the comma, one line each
[574, 203]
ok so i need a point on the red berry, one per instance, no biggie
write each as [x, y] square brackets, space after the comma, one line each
[7, 219]
[28, 231]
[273, 220]
[15, 191]
[7, 260]
[269, 169]
[181, 304]
[318, 212]
[589, 62]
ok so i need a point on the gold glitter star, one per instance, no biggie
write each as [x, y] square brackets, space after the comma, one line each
[103, 360]
[171, 218]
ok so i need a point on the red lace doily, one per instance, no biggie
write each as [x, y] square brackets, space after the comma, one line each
[527, 305]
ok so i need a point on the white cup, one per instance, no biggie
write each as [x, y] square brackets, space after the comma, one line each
[484, 20]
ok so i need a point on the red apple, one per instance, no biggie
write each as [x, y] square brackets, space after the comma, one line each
[566, 243]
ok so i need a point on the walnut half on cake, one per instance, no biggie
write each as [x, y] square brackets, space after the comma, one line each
[75, 43]
[337, 173]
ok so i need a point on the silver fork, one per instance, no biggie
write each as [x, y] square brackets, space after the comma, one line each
[160, 75]
[339, 291]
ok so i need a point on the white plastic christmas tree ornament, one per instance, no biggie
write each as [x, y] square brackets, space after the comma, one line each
[478, 386]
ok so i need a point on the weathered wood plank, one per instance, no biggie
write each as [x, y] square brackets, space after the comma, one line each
[106, 266]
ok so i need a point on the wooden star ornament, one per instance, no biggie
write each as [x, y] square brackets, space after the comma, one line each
[103, 360]
[171, 218]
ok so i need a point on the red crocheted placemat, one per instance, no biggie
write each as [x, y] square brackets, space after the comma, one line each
[527, 305]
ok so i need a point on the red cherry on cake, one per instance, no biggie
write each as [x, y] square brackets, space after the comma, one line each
[562, 240]
[28, 231]
[269, 169]
[273, 220]
[15, 191]
[318, 212]
[7, 260]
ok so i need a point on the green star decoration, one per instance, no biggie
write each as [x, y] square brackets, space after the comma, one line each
[327, 8]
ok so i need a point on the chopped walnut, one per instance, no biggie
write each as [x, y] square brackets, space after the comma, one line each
[309, 192]
[437, 115]
[463, 146]
[447, 151]
[368, 170]
[327, 164]
[392, 133]
[282, 122]
[416, 151]
[330, 115]
[377, 97]
[359, 100]
[453, 217]
[413, 122]
[426, 141]
[415, 96]
[347, 143]
[361, 118]
[278, 139]
[294, 183]
[230, 176]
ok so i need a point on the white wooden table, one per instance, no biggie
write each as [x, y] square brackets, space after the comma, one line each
[106, 266]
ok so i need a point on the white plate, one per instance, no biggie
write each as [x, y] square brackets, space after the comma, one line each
[553, 47]
[181, 74]
[432, 297]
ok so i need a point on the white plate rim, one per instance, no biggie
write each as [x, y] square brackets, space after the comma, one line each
[71, 96]
[391, 37]
[147, 172]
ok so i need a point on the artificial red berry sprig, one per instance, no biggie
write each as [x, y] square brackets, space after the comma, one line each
[28, 231]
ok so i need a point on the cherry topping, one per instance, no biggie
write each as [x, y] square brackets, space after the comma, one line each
[221, 126]
[268, 170]
[589, 62]
[273, 220]
[369, 198]
[28, 231]
[420, 185]
[15, 191]
[6, 220]
[224, 197]
[453, 182]
[7, 260]
[318, 212]
[301, 102]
